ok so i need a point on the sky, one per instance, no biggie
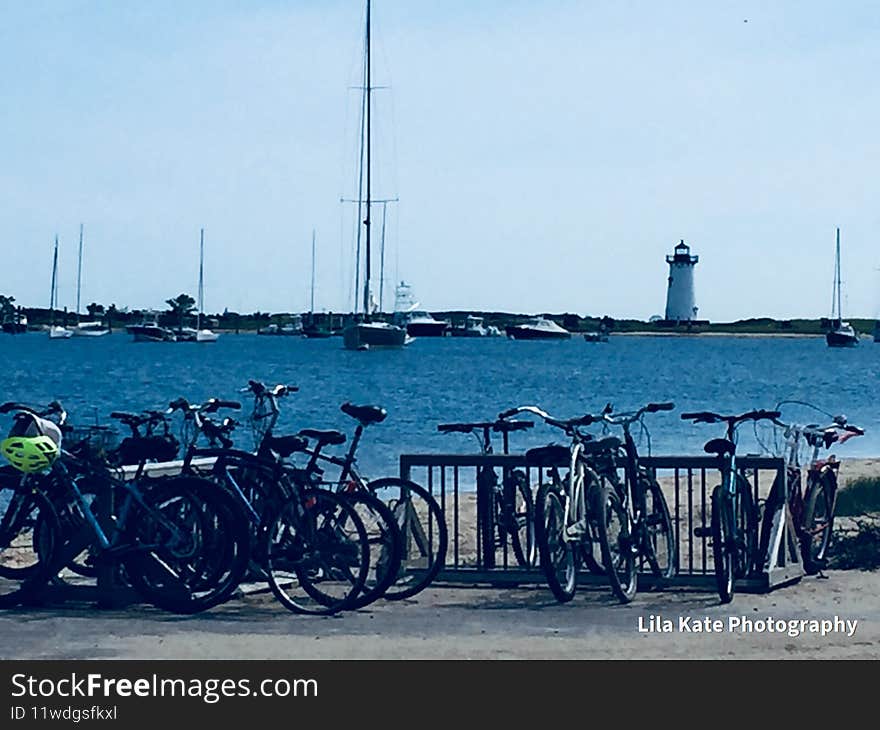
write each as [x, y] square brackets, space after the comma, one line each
[547, 155]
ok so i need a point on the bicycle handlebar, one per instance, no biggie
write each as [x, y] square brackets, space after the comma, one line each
[54, 408]
[499, 426]
[709, 417]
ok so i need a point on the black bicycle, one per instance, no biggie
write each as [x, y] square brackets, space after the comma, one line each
[505, 507]
[734, 527]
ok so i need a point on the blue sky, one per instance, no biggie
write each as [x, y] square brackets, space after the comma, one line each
[547, 155]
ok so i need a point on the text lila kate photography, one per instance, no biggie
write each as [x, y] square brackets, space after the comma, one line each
[657, 624]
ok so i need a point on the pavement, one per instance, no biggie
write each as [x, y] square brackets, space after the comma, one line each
[476, 623]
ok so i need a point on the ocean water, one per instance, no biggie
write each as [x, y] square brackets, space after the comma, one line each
[452, 379]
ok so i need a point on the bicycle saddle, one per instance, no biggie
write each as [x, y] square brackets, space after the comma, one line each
[721, 447]
[284, 446]
[609, 443]
[552, 455]
[334, 438]
[364, 414]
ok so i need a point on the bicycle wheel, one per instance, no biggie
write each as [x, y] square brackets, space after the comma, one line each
[317, 553]
[557, 555]
[659, 535]
[386, 545]
[423, 532]
[818, 521]
[518, 517]
[616, 542]
[723, 544]
[191, 545]
[30, 543]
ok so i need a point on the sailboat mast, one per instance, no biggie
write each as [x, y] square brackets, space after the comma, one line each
[382, 261]
[79, 267]
[201, 277]
[367, 91]
[839, 312]
[54, 292]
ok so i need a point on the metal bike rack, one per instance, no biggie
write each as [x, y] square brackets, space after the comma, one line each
[687, 483]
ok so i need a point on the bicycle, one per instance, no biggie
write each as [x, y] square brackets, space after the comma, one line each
[505, 507]
[164, 534]
[570, 511]
[810, 503]
[734, 521]
[650, 537]
[309, 545]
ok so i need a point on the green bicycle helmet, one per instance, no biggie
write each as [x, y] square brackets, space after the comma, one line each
[33, 443]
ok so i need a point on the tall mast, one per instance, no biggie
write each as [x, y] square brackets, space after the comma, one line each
[382, 261]
[53, 293]
[79, 267]
[201, 277]
[839, 312]
[368, 89]
[312, 303]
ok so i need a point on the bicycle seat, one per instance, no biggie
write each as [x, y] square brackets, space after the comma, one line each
[364, 414]
[126, 417]
[721, 447]
[334, 438]
[284, 446]
[552, 455]
[609, 443]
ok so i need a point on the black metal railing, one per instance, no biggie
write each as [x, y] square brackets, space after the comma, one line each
[687, 483]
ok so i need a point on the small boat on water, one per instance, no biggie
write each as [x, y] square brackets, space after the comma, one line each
[841, 333]
[85, 329]
[538, 328]
[418, 323]
[203, 334]
[295, 327]
[149, 330]
[596, 337]
[374, 335]
[90, 329]
[474, 327]
[56, 331]
[15, 324]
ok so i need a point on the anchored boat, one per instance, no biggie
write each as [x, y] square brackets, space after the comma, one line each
[538, 328]
[364, 333]
[841, 333]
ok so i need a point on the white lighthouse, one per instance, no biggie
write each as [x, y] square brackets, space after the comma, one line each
[681, 305]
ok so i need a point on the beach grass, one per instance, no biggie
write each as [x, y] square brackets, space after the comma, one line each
[860, 497]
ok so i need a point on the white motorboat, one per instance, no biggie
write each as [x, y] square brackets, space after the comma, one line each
[418, 323]
[90, 329]
[538, 328]
[57, 332]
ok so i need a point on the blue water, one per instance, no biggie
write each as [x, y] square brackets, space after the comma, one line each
[433, 381]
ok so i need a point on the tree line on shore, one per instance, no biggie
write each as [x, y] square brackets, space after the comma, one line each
[182, 308]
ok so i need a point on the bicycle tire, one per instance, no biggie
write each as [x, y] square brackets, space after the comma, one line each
[187, 576]
[658, 516]
[521, 517]
[417, 572]
[316, 543]
[28, 522]
[722, 556]
[818, 505]
[557, 555]
[617, 548]
[386, 546]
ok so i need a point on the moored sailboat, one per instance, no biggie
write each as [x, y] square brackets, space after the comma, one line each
[841, 334]
[85, 329]
[364, 333]
[56, 331]
[203, 334]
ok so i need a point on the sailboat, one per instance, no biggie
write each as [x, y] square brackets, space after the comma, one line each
[56, 332]
[313, 330]
[365, 333]
[203, 334]
[841, 333]
[85, 329]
